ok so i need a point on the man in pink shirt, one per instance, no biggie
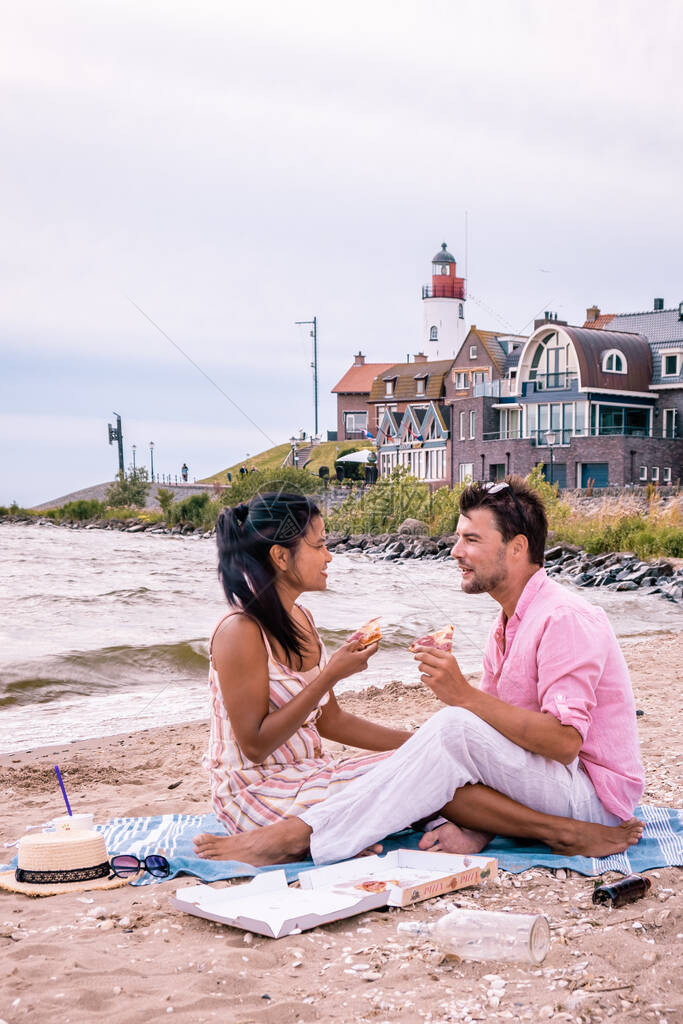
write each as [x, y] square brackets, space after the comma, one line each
[546, 749]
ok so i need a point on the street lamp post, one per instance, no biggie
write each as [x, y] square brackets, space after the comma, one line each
[134, 450]
[550, 441]
[151, 459]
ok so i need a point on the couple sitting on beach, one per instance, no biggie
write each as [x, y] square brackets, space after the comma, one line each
[546, 749]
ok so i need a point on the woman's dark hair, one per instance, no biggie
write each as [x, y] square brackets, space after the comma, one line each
[245, 534]
[516, 508]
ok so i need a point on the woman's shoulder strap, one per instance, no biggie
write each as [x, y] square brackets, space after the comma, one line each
[245, 615]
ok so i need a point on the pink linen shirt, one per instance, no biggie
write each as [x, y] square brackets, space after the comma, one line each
[558, 654]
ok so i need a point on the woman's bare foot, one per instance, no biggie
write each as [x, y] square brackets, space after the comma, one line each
[273, 844]
[450, 838]
[585, 839]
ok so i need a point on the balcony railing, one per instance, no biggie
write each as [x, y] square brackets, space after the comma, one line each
[444, 291]
[550, 382]
[354, 435]
[539, 438]
[494, 389]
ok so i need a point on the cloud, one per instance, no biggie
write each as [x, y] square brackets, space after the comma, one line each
[235, 168]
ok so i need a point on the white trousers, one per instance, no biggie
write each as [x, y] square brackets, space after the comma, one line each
[453, 749]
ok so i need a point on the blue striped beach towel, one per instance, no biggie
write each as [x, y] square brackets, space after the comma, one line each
[172, 835]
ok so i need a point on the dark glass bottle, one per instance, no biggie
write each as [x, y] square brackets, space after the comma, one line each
[626, 890]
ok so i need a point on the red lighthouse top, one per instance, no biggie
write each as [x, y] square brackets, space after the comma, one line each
[445, 284]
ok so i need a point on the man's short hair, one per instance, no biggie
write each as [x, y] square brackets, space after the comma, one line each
[516, 508]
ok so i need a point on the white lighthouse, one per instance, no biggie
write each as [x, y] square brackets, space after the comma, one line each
[443, 304]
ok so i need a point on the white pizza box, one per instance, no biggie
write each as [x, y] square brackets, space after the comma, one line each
[268, 906]
[409, 875]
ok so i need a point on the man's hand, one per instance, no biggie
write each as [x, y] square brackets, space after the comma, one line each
[441, 673]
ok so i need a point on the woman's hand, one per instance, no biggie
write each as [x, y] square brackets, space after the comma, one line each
[349, 659]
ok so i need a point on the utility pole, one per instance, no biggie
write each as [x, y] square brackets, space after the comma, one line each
[116, 434]
[314, 364]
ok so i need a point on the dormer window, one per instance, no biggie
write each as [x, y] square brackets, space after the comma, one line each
[671, 363]
[433, 334]
[614, 361]
[389, 385]
[420, 385]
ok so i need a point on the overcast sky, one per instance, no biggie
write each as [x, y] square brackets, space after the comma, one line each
[231, 168]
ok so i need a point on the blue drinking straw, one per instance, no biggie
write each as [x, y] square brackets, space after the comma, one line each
[61, 786]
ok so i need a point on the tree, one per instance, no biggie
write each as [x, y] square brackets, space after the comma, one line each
[129, 489]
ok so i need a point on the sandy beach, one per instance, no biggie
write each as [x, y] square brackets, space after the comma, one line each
[128, 956]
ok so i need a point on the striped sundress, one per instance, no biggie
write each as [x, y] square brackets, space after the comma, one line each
[298, 774]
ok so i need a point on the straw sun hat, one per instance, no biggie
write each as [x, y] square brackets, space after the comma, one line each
[49, 863]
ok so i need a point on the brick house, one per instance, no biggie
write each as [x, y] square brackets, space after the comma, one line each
[353, 392]
[601, 402]
[411, 418]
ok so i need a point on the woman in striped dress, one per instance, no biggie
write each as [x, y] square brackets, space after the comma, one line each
[271, 681]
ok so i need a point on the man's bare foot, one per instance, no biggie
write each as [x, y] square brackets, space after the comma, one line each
[273, 844]
[450, 838]
[585, 839]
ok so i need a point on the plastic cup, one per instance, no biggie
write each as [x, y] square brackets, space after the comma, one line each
[71, 822]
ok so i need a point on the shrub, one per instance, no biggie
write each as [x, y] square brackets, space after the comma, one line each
[165, 499]
[285, 478]
[129, 489]
[77, 511]
[383, 507]
[191, 510]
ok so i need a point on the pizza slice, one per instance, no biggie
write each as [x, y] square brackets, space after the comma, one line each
[376, 884]
[442, 640]
[368, 634]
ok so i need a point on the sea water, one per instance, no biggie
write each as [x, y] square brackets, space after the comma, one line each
[103, 632]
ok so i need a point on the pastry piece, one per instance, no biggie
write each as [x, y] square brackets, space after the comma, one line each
[368, 634]
[442, 640]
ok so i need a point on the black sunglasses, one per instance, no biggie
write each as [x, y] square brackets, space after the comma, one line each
[491, 487]
[125, 865]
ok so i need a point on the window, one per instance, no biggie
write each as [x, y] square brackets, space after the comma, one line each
[655, 474]
[389, 386]
[669, 423]
[473, 351]
[465, 472]
[480, 376]
[355, 422]
[433, 334]
[497, 471]
[460, 380]
[463, 421]
[671, 364]
[473, 417]
[643, 474]
[461, 311]
[420, 385]
[614, 361]
[667, 475]
[552, 364]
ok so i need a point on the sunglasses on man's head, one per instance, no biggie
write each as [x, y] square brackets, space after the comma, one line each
[125, 865]
[491, 487]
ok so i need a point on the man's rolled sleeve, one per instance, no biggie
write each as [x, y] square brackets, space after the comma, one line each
[570, 664]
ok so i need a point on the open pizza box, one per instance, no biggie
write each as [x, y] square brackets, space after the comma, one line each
[268, 906]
